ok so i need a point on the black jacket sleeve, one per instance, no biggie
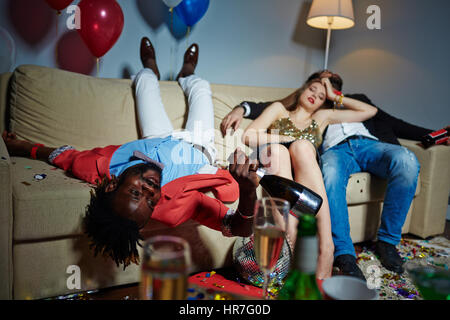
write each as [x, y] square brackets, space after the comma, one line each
[403, 129]
[387, 127]
[256, 108]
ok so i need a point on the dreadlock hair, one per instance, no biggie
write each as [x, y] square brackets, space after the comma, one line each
[111, 235]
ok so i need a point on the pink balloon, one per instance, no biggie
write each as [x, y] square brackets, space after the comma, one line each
[101, 24]
[59, 4]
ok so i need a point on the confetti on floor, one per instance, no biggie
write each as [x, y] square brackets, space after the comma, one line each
[391, 286]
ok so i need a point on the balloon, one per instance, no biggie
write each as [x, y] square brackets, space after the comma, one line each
[59, 4]
[101, 24]
[191, 11]
[7, 51]
[33, 24]
[73, 54]
[172, 3]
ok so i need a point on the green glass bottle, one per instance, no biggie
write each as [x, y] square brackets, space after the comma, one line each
[300, 282]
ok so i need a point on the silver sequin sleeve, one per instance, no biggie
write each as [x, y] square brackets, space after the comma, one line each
[57, 152]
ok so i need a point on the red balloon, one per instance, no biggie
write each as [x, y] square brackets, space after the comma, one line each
[59, 4]
[101, 24]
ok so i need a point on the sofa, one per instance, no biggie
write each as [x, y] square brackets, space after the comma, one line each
[40, 220]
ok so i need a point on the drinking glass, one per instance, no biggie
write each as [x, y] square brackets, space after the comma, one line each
[269, 227]
[165, 268]
[433, 282]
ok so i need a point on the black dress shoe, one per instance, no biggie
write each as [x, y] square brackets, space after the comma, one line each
[389, 257]
[190, 61]
[348, 267]
[148, 57]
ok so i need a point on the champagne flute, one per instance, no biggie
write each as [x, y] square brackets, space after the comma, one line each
[165, 268]
[269, 227]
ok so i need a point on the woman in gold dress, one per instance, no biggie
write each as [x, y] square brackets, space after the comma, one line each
[287, 136]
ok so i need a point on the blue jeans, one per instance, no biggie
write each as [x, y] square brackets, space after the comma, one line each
[388, 161]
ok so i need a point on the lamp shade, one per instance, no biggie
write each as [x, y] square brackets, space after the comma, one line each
[337, 14]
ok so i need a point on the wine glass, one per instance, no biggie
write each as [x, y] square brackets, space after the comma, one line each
[269, 227]
[165, 268]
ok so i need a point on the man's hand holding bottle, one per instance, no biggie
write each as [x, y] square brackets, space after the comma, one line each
[243, 171]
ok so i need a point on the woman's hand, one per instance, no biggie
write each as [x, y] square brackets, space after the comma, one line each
[232, 120]
[328, 88]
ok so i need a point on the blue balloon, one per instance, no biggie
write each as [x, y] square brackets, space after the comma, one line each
[191, 11]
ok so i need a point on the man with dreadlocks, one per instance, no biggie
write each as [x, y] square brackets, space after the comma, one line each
[161, 176]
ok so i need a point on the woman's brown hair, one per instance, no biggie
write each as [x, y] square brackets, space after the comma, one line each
[291, 101]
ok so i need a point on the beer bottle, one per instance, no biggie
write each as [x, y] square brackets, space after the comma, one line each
[436, 137]
[300, 282]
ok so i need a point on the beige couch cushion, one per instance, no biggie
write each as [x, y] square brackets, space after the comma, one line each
[363, 187]
[49, 208]
[57, 107]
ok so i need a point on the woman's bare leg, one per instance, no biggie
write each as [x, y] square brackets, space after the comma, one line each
[277, 160]
[308, 173]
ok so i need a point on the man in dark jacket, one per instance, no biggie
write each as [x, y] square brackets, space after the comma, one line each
[371, 146]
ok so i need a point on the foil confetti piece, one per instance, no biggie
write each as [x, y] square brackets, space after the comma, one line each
[39, 177]
[434, 252]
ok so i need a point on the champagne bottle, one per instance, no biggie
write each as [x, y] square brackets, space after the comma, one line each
[300, 282]
[301, 199]
[436, 137]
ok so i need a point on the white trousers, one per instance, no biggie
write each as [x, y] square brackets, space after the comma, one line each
[152, 117]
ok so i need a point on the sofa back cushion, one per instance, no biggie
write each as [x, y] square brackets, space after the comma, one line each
[57, 107]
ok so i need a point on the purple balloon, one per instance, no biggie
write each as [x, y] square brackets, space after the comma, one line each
[191, 11]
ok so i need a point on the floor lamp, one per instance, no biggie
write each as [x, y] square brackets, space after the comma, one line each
[330, 14]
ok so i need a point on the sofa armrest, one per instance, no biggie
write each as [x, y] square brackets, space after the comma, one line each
[430, 206]
[6, 223]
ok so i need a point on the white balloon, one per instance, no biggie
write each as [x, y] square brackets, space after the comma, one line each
[7, 51]
[172, 3]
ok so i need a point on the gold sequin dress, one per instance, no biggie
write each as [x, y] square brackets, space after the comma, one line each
[286, 127]
[244, 258]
